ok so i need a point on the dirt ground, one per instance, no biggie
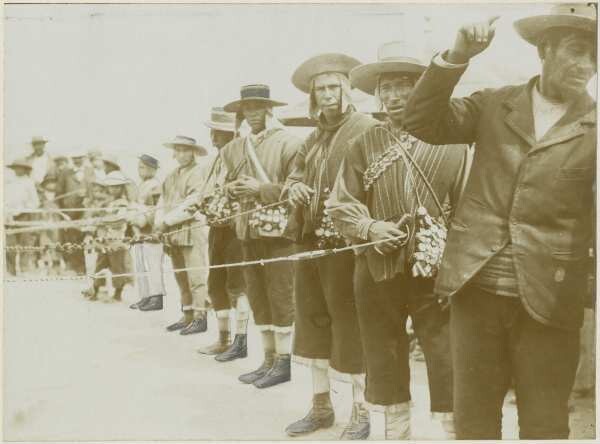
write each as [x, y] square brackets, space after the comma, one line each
[80, 370]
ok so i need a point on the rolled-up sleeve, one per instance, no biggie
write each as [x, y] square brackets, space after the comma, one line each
[347, 203]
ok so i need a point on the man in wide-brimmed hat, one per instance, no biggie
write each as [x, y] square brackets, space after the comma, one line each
[20, 194]
[327, 336]
[257, 166]
[516, 260]
[388, 181]
[187, 245]
[147, 255]
[226, 286]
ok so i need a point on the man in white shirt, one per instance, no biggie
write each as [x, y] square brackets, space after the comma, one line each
[20, 194]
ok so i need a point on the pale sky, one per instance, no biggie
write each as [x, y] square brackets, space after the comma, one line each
[126, 78]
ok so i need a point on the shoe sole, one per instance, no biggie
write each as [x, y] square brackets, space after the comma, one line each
[245, 355]
[270, 385]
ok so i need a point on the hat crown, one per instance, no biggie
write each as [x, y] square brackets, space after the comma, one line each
[578, 9]
[255, 91]
[149, 160]
[38, 139]
[395, 52]
[220, 116]
[184, 140]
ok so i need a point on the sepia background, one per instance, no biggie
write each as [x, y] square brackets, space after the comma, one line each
[125, 78]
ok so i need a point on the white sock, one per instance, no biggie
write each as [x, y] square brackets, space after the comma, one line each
[268, 339]
[283, 343]
[223, 320]
[448, 426]
[358, 388]
[320, 379]
[397, 421]
[242, 313]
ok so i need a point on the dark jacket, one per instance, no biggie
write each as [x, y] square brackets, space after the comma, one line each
[538, 195]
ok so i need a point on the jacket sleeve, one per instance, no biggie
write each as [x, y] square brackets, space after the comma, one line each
[270, 192]
[461, 178]
[432, 116]
[180, 213]
[347, 202]
[297, 173]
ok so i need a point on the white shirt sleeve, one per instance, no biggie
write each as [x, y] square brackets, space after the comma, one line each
[439, 61]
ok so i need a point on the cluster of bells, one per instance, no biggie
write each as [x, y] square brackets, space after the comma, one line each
[430, 240]
[270, 220]
[218, 207]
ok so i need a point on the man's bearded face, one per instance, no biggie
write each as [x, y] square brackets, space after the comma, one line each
[569, 64]
[327, 91]
[394, 91]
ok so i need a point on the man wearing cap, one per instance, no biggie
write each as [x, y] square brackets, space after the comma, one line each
[387, 177]
[187, 245]
[517, 254]
[20, 194]
[148, 255]
[41, 161]
[326, 335]
[226, 286]
[257, 167]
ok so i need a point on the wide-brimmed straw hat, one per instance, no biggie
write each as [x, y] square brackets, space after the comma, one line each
[221, 120]
[253, 93]
[112, 160]
[321, 64]
[115, 178]
[22, 162]
[38, 139]
[189, 142]
[77, 152]
[580, 16]
[392, 57]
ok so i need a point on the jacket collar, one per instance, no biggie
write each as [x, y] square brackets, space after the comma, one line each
[575, 122]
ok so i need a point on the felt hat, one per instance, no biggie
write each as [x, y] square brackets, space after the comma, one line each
[187, 141]
[22, 162]
[253, 93]
[320, 64]
[391, 58]
[38, 139]
[221, 120]
[580, 16]
[152, 162]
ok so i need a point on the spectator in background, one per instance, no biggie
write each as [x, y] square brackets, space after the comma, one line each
[72, 187]
[41, 161]
[148, 255]
[51, 260]
[97, 162]
[20, 194]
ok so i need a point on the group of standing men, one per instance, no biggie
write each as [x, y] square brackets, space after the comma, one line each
[519, 221]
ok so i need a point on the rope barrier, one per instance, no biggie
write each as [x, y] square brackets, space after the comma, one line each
[304, 255]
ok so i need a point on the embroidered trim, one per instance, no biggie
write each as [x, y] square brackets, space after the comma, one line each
[386, 159]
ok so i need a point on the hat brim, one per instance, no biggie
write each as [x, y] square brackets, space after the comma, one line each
[322, 64]
[236, 105]
[35, 142]
[12, 166]
[200, 150]
[146, 163]
[532, 28]
[220, 127]
[364, 77]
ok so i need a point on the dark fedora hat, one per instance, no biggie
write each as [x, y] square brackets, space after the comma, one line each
[152, 162]
[252, 93]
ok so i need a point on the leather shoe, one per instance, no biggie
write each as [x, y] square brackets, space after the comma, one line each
[359, 426]
[220, 346]
[152, 303]
[279, 373]
[249, 378]
[198, 325]
[139, 303]
[237, 350]
[182, 323]
[320, 416]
